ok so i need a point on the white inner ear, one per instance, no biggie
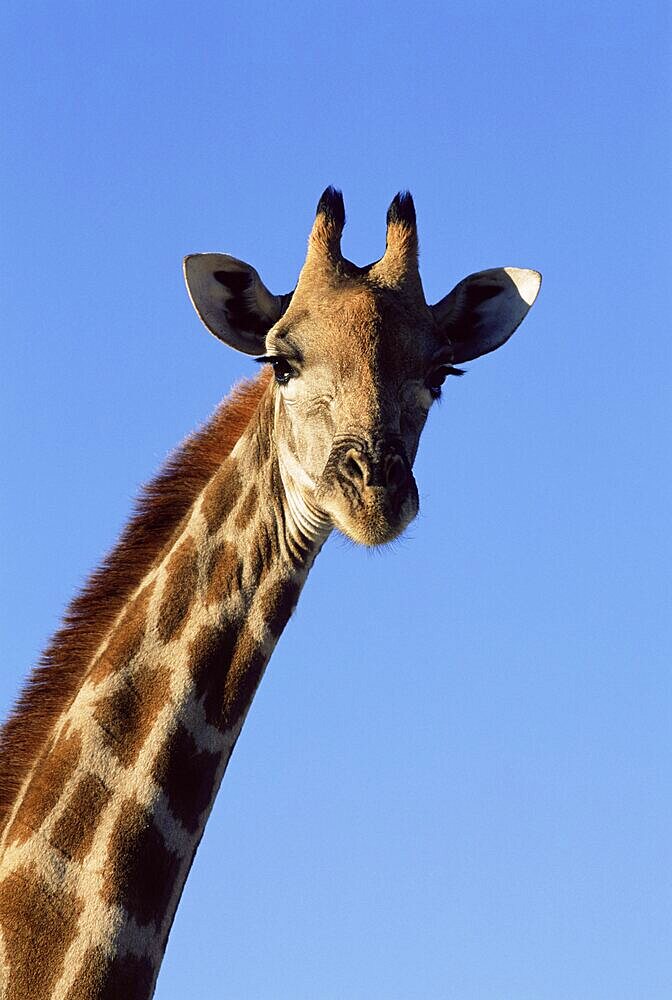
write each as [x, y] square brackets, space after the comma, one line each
[207, 295]
[209, 298]
[477, 324]
[527, 282]
[496, 318]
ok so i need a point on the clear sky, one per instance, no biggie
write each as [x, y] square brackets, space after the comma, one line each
[454, 783]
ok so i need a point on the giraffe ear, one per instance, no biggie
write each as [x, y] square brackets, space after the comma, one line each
[232, 300]
[482, 312]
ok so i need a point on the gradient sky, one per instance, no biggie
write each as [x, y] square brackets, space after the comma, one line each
[454, 783]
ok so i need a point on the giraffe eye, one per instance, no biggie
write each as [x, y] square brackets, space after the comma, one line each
[282, 369]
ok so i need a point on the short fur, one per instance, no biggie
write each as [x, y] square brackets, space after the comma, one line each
[159, 511]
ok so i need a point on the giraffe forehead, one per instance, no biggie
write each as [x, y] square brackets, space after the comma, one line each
[357, 321]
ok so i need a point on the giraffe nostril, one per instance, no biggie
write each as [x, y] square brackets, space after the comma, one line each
[396, 472]
[355, 467]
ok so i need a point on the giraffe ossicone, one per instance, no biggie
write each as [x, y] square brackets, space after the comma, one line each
[112, 758]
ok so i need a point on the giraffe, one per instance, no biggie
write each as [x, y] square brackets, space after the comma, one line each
[111, 760]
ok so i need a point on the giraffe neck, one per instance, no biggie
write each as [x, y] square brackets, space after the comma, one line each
[99, 843]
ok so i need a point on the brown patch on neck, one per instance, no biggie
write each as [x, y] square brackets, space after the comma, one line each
[221, 495]
[187, 776]
[127, 637]
[38, 925]
[77, 824]
[127, 714]
[227, 666]
[248, 508]
[223, 572]
[159, 513]
[108, 977]
[141, 871]
[45, 789]
[182, 578]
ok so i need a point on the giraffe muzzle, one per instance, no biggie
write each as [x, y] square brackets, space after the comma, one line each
[369, 490]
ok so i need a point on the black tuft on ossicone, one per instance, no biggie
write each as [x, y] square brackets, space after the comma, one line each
[332, 207]
[402, 210]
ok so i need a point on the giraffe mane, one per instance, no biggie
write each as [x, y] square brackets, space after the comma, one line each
[159, 510]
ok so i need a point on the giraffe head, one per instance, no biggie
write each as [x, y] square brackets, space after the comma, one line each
[359, 357]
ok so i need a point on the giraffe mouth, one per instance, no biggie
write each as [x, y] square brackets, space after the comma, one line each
[368, 489]
[373, 520]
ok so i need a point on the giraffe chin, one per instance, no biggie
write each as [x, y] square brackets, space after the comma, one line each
[375, 521]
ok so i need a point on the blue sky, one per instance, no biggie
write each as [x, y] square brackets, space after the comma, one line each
[454, 781]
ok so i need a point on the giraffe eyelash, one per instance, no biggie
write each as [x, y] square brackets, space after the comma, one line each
[435, 379]
[282, 369]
